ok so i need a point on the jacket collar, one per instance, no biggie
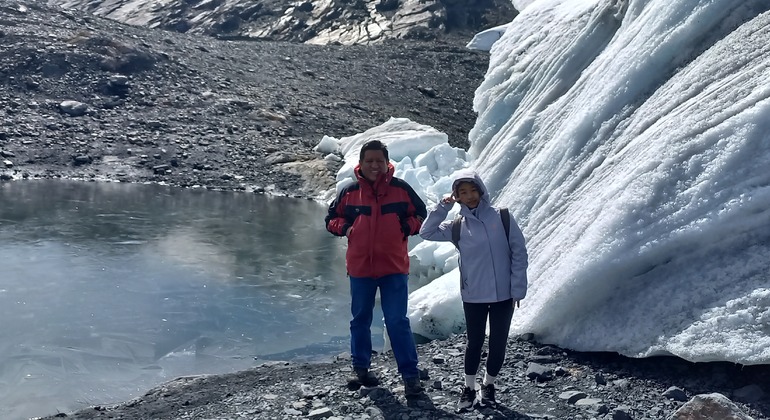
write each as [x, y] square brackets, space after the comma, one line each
[383, 179]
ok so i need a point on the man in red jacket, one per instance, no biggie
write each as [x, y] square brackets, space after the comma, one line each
[377, 214]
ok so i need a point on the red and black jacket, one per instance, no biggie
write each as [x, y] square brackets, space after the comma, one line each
[383, 215]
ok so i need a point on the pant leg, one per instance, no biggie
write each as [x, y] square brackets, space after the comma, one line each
[394, 293]
[362, 294]
[500, 315]
[476, 326]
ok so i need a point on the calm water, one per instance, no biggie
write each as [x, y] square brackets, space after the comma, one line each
[109, 289]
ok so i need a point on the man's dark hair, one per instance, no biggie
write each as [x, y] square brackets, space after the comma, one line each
[373, 145]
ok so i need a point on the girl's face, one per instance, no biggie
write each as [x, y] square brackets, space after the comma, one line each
[468, 194]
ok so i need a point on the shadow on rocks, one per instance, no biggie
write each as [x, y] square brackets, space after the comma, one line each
[502, 412]
[388, 406]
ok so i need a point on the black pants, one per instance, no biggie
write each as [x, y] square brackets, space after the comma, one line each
[500, 314]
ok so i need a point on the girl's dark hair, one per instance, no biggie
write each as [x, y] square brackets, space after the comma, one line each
[373, 145]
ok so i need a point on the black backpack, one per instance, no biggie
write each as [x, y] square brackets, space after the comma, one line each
[505, 216]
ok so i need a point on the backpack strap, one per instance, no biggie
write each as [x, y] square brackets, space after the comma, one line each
[505, 216]
[456, 231]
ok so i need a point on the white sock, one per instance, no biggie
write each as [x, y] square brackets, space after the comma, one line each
[470, 381]
[489, 379]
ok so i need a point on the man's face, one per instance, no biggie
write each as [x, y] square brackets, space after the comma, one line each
[468, 194]
[373, 164]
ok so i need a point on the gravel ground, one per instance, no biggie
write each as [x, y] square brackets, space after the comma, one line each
[536, 382]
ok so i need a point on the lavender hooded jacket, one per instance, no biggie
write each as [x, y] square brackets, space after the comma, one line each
[492, 269]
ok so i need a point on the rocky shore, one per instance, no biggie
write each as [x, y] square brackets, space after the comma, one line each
[87, 98]
[537, 382]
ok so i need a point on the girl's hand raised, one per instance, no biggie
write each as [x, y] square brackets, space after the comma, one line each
[448, 200]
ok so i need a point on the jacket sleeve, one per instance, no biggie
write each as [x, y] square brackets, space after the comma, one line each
[335, 218]
[416, 215]
[519, 261]
[435, 228]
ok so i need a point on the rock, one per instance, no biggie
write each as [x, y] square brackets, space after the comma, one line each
[73, 108]
[572, 396]
[600, 380]
[429, 92]
[117, 85]
[320, 413]
[279, 158]
[588, 402]
[82, 160]
[161, 169]
[621, 413]
[709, 407]
[539, 372]
[675, 393]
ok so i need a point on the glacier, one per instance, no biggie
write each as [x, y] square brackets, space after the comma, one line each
[631, 140]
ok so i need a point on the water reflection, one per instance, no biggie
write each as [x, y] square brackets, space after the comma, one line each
[109, 289]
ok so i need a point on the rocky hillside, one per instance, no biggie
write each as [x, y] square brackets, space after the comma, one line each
[310, 21]
[87, 97]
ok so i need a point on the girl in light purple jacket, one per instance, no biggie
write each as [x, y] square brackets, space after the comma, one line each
[493, 274]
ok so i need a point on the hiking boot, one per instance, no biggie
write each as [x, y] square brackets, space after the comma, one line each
[488, 396]
[467, 399]
[412, 387]
[362, 377]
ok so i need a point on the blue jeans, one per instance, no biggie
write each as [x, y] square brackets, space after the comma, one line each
[394, 293]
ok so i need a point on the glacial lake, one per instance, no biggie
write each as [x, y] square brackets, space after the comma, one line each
[109, 289]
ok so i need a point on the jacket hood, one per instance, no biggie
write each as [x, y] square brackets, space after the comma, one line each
[468, 175]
